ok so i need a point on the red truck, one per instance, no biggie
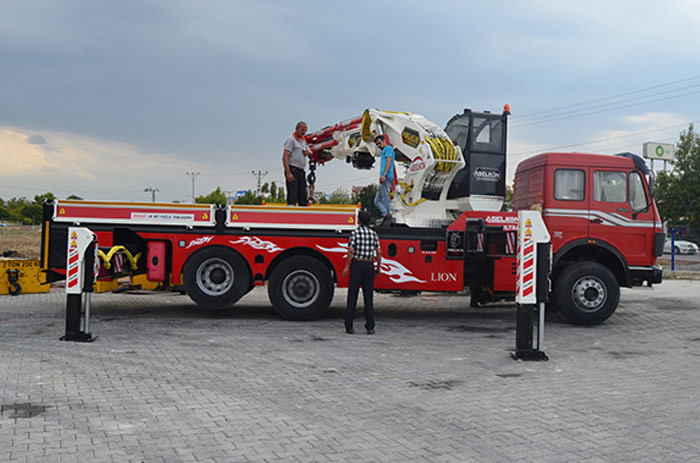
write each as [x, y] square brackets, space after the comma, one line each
[604, 224]
[599, 210]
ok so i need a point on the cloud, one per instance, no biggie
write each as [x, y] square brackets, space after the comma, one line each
[36, 140]
[18, 156]
[89, 167]
[655, 119]
[132, 94]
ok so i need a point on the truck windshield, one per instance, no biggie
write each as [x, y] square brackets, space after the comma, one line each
[638, 198]
[651, 179]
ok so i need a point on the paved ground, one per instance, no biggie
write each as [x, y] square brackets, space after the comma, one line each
[166, 382]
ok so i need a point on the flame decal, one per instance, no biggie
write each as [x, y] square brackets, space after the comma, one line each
[342, 247]
[394, 269]
[256, 243]
[397, 272]
[198, 241]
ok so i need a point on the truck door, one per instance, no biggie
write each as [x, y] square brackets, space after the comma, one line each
[619, 213]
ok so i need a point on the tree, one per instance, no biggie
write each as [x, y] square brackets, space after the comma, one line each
[366, 200]
[39, 199]
[677, 193]
[508, 201]
[32, 213]
[249, 198]
[276, 194]
[339, 196]
[75, 197]
[14, 209]
[16, 203]
[273, 194]
[215, 197]
[21, 210]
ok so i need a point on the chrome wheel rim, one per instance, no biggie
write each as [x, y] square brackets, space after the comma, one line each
[215, 277]
[300, 289]
[589, 294]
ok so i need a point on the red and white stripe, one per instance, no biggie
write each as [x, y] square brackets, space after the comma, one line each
[118, 263]
[73, 267]
[511, 239]
[480, 242]
[527, 282]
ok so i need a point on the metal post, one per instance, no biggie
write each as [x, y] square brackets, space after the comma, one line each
[86, 327]
[73, 306]
[523, 331]
[673, 248]
[259, 175]
[540, 329]
[153, 193]
[193, 176]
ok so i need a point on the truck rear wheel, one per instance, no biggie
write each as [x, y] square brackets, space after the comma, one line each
[301, 288]
[586, 293]
[216, 277]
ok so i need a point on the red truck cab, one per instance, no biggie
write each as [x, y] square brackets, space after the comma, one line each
[605, 227]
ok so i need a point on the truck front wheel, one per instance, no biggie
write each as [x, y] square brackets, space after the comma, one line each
[216, 277]
[586, 293]
[301, 288]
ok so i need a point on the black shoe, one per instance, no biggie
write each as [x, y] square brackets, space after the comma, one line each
[386, 221]
[349, 331]
[370, 331]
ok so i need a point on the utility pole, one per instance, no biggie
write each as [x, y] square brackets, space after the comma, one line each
[192, 176]
[153, 193]
[259, 175]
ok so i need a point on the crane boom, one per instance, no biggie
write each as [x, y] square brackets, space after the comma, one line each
[430, 159]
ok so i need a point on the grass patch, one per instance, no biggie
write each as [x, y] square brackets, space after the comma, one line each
[25, 241]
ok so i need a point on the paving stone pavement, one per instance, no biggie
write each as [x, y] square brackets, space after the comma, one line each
[167, 382]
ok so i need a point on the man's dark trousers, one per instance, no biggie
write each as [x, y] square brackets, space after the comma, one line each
[296, 190]
[361, 276]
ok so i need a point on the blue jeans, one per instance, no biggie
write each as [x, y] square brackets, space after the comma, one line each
[383, 196]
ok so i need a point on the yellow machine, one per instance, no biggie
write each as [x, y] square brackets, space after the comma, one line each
[21, 276]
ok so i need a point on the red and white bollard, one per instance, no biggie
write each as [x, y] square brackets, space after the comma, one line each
[82, 267]
[532, 284]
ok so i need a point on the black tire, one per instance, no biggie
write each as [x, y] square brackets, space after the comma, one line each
[301, 288]
[216, 277]
[586, 293]
[676, 250]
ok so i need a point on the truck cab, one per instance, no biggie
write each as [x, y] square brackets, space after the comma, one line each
[605, 227]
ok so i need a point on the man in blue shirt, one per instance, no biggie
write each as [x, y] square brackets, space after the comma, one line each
[386, 179]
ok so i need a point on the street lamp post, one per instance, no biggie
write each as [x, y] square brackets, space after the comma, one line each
[153, 193]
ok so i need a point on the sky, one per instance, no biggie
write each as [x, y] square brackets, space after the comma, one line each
[108, 99]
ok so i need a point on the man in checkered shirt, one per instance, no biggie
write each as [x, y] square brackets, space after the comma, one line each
[364, 243]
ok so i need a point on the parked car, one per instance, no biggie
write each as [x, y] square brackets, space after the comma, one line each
[681, 247]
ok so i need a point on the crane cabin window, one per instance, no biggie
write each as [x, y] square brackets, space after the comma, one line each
[569, 184]
[488, 134]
